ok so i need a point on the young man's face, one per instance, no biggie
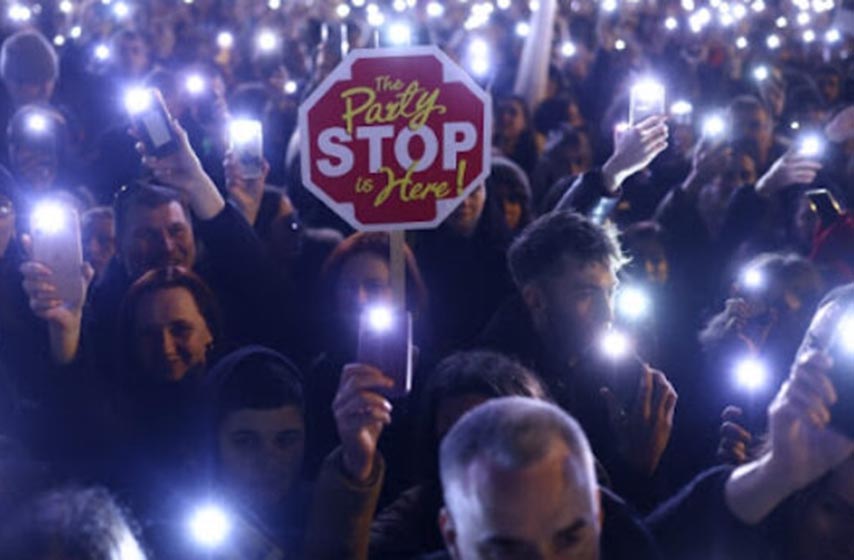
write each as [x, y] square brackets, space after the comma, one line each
[261, 453]
[576, 306]
[156, 237]
[545, 511]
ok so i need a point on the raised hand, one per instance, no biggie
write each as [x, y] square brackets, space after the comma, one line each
[361, 413]
[634, 149]
[735, 441]
[791, 169]
[644, 431]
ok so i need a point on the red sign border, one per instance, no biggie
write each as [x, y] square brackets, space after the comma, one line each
[452, 73]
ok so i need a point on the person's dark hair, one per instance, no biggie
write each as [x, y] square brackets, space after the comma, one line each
[479, 372]
[144, 194]
[745, 103]
[54, 137]
[28, 58]
[158, 280]
[506, 173]
[551, 114]
[541, 247]
[255, 378]
[376, 244]
[78, 523]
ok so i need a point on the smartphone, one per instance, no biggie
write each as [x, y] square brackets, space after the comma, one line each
[246, 138]
[388, 347]
[646, 100]
[152, 121]
[825, 205]
[56, 243]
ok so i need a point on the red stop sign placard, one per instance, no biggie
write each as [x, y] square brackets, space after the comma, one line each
[395, 138]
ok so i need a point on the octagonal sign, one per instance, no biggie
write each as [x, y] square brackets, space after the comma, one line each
[395, 138]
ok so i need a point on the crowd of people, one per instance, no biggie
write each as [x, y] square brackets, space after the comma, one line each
[633, 340]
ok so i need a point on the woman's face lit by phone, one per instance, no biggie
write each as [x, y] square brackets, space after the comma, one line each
[172, 336]
[365, 279]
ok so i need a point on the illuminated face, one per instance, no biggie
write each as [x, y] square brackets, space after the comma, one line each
[545, 511]
[99, 243]
[463, 221]
[157, 237]
[261, 453]
[511, 118]
[823, 527]
[132, 56]
[365, 279]
[577, 305]
[828, 85]
[171, 335]
[754, 126]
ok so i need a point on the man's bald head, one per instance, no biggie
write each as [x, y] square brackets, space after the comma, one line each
[519, 480]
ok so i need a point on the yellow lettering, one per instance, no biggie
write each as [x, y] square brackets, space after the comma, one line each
[409, 191]
[350, 112]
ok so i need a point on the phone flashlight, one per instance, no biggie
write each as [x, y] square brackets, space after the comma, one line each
[681, 112]
[19, 13]
[102, 52]
[752, 279]
[750, 374]
[568, 49]
[761, 73]
[121, 10]
[646, 100]
[37, 123]
[56, 242]
[399, 34]
[810, 146]
[195, 84]
[714, 127]
[209, 526]
[291, 87]
[225, 40]
[151, 120]
[247, 142]
[773, 41]
[266, 41]
[385, 342]
[614, 344]
[435, 9]
[633, 303]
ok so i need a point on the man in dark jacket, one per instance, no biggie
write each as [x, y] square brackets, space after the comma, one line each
[565, 267]
[519, 482]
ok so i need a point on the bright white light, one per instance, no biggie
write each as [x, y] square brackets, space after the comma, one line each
[523, 28]
[751, 374]
[479, 48]
[372, 8]
[688, 5]
[59, 40]
[758, 6]
[121, 10]
[66, 6]
[609, 5]
[810, 146]
[479, 67]
[761, 73]
[832, 36]
[243, 131]
[845, 333]
[681, 108]
[266, 41]
[614, 344]
[504, 4]
[534, 5]
[781, 22]
[752, 278]
[36, 123]
[620, 45]
[274, 4]
[727, 20]
[648, 91]
[380, 318]
[19, 13]
[435, 9]
[809, 36]
[621, 127]
[399, 6]
[358, 3]
[714, 126]
[376, 19]
[794, 125]
[633, 303]
[739, 11]
[773, 41]
[741, 43]
[399, 34]
[671, 23]
[75, 32]
[803, 18]
[209, 526]
[225, 40]
[48, 218]
[567, 49]
[137, 100]
[291, 87]
[343, 10]
[102, 52]
[195, 84]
